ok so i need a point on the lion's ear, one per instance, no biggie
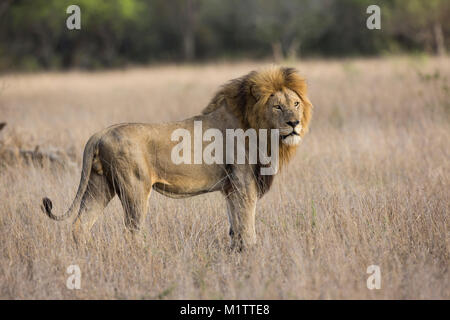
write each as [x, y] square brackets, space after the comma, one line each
[256, 93]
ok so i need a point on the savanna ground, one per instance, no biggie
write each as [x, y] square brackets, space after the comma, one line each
[369, 186]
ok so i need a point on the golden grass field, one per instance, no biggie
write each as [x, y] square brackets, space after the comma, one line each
[369, 185]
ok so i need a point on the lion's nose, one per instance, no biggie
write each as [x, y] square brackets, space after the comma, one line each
[293, 124]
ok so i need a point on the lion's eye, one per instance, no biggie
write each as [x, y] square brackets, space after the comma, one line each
[296, 104]
[277, 107]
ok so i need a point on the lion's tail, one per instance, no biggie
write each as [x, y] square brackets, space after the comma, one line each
[88, 156]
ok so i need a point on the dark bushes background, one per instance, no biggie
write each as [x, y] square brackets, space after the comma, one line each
[33, 33]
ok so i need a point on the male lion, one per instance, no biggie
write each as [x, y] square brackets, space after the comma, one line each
[132, 158]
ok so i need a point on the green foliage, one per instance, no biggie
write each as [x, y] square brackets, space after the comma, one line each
[33, 34]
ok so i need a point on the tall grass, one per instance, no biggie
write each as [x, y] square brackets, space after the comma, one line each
[369, 186]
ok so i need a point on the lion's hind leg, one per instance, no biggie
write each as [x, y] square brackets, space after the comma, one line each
[134, 199]
[135, 206]
[134, 191]
[96, 197]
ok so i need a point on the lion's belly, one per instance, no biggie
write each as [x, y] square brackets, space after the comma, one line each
[186, 183]
[176, 193]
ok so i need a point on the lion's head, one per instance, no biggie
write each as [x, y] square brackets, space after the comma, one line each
[273, 98]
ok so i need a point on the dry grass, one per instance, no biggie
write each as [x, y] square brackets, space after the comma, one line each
[369, 185]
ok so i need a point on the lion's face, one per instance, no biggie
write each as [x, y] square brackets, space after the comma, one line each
[274, 98]
[284, 111]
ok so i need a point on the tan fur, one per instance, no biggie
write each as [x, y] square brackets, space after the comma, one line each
[131, 159]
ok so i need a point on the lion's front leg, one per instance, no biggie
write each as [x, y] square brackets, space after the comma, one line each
[241, 207]
[242, 223]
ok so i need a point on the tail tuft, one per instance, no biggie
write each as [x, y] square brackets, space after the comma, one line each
[47, 206]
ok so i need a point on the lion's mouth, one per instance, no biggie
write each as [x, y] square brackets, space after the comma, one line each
[293, 133]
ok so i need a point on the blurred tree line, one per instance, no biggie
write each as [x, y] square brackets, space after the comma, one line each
[33, 33]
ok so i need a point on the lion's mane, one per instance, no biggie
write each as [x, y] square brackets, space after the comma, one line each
[239, 97]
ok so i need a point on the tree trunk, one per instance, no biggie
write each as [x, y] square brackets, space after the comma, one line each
[188, 32]
[4, 6]
[439, 39]
[277, 51]
[293, 49]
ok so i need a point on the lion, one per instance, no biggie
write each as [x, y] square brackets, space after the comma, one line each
[131, 159]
